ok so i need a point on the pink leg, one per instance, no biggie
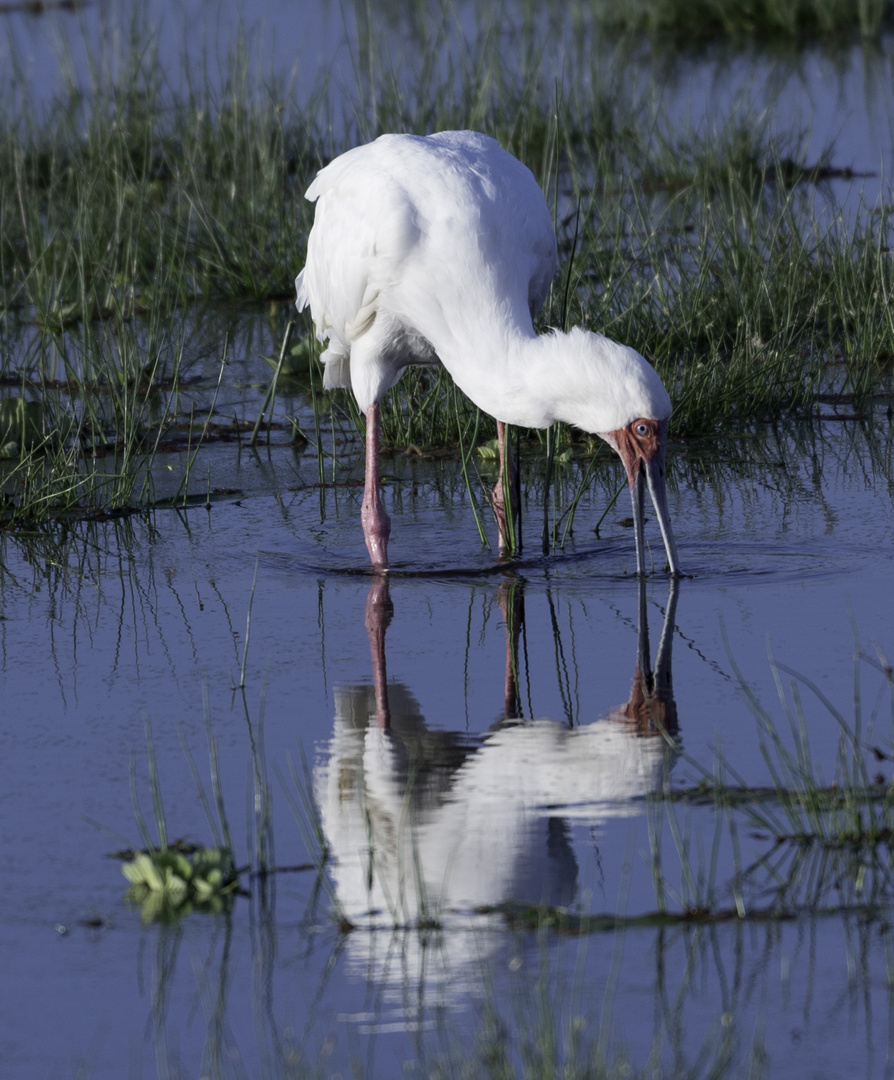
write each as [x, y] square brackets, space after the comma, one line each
[500, 500]
[376, 523]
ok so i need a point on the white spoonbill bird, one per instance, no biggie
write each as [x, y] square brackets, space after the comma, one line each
[441, 249]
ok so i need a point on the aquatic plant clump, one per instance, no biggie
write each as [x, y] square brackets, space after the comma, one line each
[169, 883]
[785, 19]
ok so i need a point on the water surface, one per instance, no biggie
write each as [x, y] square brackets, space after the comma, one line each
[527, 778]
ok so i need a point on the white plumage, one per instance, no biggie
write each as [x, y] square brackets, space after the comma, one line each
[441, 248]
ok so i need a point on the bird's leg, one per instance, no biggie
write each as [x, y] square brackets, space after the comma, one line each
[376, 523]
[507, 520]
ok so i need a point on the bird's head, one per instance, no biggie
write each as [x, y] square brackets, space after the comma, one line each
[625, 403]
[638, 444]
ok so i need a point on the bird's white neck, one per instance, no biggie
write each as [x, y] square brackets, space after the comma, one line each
[525, 385]
[534, 381]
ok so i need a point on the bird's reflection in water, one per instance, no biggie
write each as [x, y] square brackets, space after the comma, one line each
[427, 825]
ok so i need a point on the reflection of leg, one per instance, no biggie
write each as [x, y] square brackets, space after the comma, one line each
[379, 610]
[511, 600]
[503, 506]
[376, 523]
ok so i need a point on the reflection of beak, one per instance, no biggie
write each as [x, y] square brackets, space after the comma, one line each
[647, 469]
[652, 707]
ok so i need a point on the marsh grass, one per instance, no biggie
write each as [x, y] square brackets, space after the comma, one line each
[785, 19]
[832, 835]
[828, 835]
[717, 255]
[129, 202]
[99, 435]
[119, 206]
[747, 304]
[128, 198]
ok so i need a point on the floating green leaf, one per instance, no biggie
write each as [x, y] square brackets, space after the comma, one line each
[168, 884]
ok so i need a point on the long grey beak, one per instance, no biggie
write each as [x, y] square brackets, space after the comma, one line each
[652, 473]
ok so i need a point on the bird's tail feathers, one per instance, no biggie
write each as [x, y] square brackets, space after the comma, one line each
[336, 367]
[301, 297]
